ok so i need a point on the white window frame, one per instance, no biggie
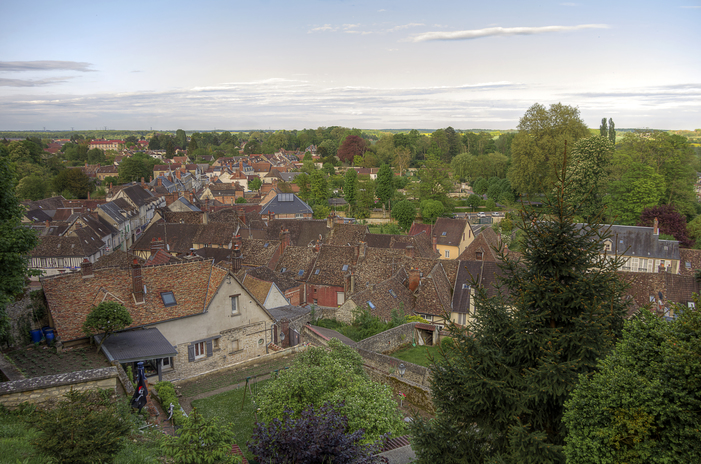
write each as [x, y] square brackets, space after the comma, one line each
[200, 350]
[447, 253]
[235, 309]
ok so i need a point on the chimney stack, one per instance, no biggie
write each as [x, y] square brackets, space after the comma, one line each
[414, 279]
[86, 268]
[656, 227]
[284, 239]
[271, 216]
[357, 253]
[47, 223]
[329, 221]
[237, 258]
[143, 184]
[160, 181]
[137, 282]
[410, 251]
[434, 239]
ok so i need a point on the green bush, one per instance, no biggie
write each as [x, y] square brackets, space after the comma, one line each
[166, 392]
[87, 427]
[201, 441]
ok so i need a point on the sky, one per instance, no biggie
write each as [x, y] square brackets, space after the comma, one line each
[268, 64]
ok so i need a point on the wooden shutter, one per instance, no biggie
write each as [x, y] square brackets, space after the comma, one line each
[209, 348]
[191, 353]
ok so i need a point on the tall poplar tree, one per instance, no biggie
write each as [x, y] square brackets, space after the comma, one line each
[350, 189]
[603, 128]
[384, 186]
[612, 131]
[500, 391]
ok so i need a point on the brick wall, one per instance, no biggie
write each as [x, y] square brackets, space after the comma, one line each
[324, 295]
[51, 387]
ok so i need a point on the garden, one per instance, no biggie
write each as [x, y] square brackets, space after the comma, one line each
[41, 360]
[422, 355]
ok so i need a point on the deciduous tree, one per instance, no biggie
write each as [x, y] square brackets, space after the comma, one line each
[351, 147]
[587, 169]
[74, 181]
[670, 223]
[106, 318]
[405, 213]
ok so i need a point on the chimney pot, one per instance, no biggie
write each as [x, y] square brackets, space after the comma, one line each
[414, 279]
[86, 268]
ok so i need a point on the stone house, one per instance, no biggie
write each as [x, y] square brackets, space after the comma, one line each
[451, 237]
[286, 206]
[188, 318]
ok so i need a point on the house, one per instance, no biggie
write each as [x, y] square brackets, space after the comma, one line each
[289, 321]
[124, 217]
[115, 145]
[327, 281]
[380, 299]
[145, 203]
[452, 236]
[292, 290]
[188, 318]
[286, 206]
[483, 247]
[472, 275]
[642, 249]
[265, 291]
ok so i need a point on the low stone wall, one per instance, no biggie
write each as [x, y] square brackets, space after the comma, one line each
[389, 365]
[389, 340]
[245, 364]
[417, 395]
[311, 337]
[50, 387]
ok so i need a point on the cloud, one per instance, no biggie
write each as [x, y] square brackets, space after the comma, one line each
[6, 66]
[405, 26]
[32, 82]
[500, 31]
[324, 28]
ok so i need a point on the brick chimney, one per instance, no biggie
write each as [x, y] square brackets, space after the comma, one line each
[656, 227]
[237, 259]
[284, 239]
[329, 221]
[178, 173]
[356, 253]
[409, 251]
[414, 279]
[434, 239]
[271, 216]
[160, 181]
[86, 268]
[47, 223]
[137, 282]
[143, 183]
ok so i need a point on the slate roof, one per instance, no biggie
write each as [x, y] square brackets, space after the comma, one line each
[71, 297]
[295, 259]
[79, 246]
[37, 215]
[187, 204]
[449, 232]
[286, 203]
[137, 345]
[117, 211]
[639, 242]
[138, 195]
[284, 281]
[328, 334]
[303, 232]
[289, 312]
[483, 273]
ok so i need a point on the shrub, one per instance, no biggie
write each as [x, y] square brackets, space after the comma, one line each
[201, 441]
[324, 430]
[167, 394]
[87, 427]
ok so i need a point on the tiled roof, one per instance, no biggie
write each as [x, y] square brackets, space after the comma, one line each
[296, 259]
[328, 334]
[284, 281]
[52, 203]
[139, 195]
[448, 231]
[433, 295]
[54, 246]
[289, 312]
[417, 228]
[328, 267]
[258, 288]
[659, 289]
[482, 273]
[386, 296]
[344, 234]
[181, 217]
[161, 257]
[259, 252]
[303, 232]
[71, 297]
[483, 245]
[689, 261]
[118, 259]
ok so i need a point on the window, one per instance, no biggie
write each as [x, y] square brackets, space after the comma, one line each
[607, 245]
[688, 265]
[372, 306]
[283, 269]
[444, 234]
[168, 299]
[266, 244]
[447, 253]
[200, 350]
[234, 305]
[391, 292]
[317, 272]
[301, 271]
[345, 267]
[478, 255]
[234, 346]
[299, 215]
[465, 286]
[462, 319]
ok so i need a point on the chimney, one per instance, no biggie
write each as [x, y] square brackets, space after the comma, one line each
[206, 204]
[317, 247]
[86, 268]
[240, 165]
[435, 242]
[284, 239]
[352, 283]
[137, 282]
[143, 184]
[88, 194]
[237, 258]
[160, 181]
[178, 173]
[410, 251]
[656, 227]
[356, 248]
[47, 223]
[329, 221]
[271, 216]
[414, 279]
[110, 186]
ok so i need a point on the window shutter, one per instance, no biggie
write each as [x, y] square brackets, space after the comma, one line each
[209, 348]
[191, 353]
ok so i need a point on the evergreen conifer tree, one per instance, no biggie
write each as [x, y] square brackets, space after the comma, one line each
[500, 392]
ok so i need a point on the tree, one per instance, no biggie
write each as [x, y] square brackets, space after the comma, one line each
[612, 131]
[319, 187]
[402, 158]
[192, 148]
[642, 405]
[670, 223]
[481, 186]
[74, 181]
[405, 213]
[434, 182]
[181, 139]
[385, 186]
[319, 376]
[351, 147]
[538, 149]
[279, 441]
[32, 187]
[241, 200]
[560, 308]
[587, 170]
[639, 188]
[474, 201]
[106, 318]
[303, 183]
[431, 210]
[252, 147]
[201, 440]
[603, 128]
[85, 428]
[16, 243]
[350, 188]
[255, 184]
[462, 166]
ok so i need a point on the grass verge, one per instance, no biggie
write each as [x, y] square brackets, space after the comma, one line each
[420, 355]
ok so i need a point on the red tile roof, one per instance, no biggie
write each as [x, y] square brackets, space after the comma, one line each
[71, 297]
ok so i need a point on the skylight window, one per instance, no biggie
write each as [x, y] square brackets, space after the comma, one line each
[168, 299]
[465, 286]
[266, 244]
[444, 234]
[317, 272]
[345, 267]
[301, 271]
[391, 292]
[283, 269]
[372, 306]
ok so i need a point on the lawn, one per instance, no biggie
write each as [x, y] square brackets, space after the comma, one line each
[420, 355]
[37, 361]
[227, 407]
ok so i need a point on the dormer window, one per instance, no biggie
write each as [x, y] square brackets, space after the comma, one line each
[168, 299]
[607, 245]
[391, 292]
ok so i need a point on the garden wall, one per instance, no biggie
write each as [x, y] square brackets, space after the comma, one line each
[51, 387]
[389, 340]
[389, 365]
[418, 395]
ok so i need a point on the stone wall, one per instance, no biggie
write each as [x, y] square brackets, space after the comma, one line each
[417, 395]
[389, 365]
[273, 355]
[51, 387]
[310, 337]
[389, 340]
